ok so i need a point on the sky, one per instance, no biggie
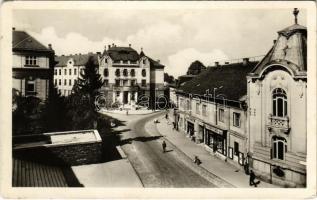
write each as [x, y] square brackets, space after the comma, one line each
[176, 37]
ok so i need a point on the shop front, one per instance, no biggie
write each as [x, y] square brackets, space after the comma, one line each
[190, 128]
[216, 139]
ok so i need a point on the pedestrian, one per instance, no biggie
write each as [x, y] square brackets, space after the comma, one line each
[164, 146]
[166, 116]
[174, 125]
[197, 160]
[252, 179]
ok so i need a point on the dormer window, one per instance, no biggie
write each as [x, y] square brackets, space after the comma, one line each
[31, 60]
[144, 61]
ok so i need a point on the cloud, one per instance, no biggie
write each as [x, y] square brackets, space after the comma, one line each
[179, 62]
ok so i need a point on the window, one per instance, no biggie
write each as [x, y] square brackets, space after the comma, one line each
[204, 110]
[106, 61]
[55, 82]
[117, 72]
[125, 72]
[118, 93]
[117, 82]
[75, 81]
[197, 108]
[75, 71]
[143, 83]
[125, 82]
[279, 103]
[70, 71]
[221, 115]
[279, 147]
[132, 73]
[143, 72]
[30, 60]
[59, 82]
[65, 81]
[106, 82]
[65, 71]
[106, 73]
[144, 61]
[30, 87]
[55, 71]
[60, 72]
[236, 148]
[70, 82]
[236, 119]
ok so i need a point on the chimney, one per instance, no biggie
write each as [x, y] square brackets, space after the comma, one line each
[112, 44]
[50, 46]
[109, 46]
[245, 61]
[141, 48]
[274, 41]
[129, 45]
[217, 64]
[13, 28]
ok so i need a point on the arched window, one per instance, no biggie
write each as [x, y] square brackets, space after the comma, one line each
[117, 72]
[125, 72]
[279, 147]
[279, 103]
[132, 73]
[106, 72]
[143, 72]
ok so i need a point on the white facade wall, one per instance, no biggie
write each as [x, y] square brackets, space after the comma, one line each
[19, 61]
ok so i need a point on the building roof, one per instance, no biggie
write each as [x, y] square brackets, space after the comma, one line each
[196, 65]
[231, 78]
[155, 64]
[22, 41]
[79, 59]
[290, 49]
[122, 53]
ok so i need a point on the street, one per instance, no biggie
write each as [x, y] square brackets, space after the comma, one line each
[144, 150]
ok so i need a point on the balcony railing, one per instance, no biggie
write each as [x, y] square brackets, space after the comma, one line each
[279, 122]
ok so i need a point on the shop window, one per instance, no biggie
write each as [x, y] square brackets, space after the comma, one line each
[143, 72]
[279, 103]
[279, 147]
[236, 148]
[236, 119]
[106, 72]
[31, 60]
[221, 115]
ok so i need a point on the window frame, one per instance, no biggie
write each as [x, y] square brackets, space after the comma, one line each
[279, 103]
[277, 144]
[31, 61]
[221, 115]
[235, 114]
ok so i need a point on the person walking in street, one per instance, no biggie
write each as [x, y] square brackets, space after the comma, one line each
[166, 116]
[252, 179]
[164, 146]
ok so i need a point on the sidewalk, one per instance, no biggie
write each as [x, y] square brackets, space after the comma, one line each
[214, 165]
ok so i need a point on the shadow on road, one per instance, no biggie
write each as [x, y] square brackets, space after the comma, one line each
[139, 139]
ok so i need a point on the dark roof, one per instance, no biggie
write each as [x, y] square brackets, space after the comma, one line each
[155, 64]
[232, 78]
[79, 59]
[287, 52]
[23, 41]
[122, 53]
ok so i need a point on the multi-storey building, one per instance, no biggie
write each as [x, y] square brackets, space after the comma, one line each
[129, 76]
[68, 69]
[32, 66]
[278, 107]
[212, 110]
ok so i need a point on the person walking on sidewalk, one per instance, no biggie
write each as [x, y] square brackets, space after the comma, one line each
[252, 179]
[164, 146]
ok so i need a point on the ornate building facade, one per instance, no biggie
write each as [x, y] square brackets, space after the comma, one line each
[278, 107]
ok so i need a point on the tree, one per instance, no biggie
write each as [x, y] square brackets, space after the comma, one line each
[169, 78]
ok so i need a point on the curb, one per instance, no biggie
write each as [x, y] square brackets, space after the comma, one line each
[214, 179]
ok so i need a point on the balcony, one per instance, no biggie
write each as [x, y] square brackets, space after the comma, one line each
[281, 123]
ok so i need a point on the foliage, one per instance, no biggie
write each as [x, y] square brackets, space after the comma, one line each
[169, 78]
